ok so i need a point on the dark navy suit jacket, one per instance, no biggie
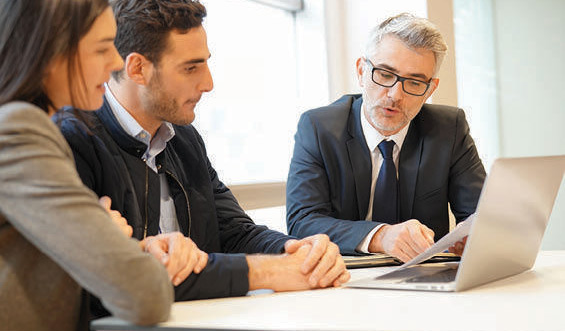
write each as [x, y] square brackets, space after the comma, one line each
[329, 181]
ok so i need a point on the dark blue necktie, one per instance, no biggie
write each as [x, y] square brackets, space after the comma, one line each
[385, 198]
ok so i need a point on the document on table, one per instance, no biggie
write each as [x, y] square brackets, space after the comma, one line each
[373, 260]
[460, 232]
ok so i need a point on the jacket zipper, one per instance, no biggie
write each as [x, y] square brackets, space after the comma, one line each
[185, 197]
[146, 199]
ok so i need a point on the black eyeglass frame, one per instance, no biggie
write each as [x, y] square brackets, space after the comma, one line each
[398, 79]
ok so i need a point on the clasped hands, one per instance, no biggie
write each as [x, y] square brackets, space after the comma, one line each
[320, 263]
[311, 262]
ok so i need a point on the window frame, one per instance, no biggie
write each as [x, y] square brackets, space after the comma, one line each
[290, 5]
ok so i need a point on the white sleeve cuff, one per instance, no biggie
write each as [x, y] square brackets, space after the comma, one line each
[363, 246]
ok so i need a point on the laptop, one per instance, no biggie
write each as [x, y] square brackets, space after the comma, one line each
[505, 235]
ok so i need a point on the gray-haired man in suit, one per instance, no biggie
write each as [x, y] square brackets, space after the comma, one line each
[376, 171]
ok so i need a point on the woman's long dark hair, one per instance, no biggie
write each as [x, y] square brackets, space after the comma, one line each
[34, 32]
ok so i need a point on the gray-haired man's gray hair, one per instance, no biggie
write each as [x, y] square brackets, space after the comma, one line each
[415, 32]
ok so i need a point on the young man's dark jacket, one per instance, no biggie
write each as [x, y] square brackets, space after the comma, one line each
[110, 163]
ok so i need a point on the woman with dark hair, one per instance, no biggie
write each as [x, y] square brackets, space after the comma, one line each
[56, 53]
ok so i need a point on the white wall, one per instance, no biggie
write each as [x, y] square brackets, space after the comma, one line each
[530, 56]
[476, 74]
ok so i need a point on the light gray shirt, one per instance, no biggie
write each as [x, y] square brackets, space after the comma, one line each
[168, 221]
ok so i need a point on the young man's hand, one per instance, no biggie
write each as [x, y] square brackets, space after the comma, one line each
[323, 262]
[179, 254]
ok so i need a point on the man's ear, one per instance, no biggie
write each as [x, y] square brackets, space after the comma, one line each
[138, 68]
[360, 65]
[433, 86]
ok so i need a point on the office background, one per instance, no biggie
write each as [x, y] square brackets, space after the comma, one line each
[273, 59]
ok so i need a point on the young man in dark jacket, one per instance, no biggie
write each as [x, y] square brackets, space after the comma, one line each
[141, 151]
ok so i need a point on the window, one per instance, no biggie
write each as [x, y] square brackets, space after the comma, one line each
[249, 119]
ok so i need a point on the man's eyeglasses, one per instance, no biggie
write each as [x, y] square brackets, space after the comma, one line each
[387, 78]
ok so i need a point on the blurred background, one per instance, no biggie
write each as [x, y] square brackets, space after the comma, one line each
[273, 60]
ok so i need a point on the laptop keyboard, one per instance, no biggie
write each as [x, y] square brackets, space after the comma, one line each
[445, 276]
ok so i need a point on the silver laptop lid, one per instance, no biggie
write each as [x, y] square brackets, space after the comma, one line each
[511, 218]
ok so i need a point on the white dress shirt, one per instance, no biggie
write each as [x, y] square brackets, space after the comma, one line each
[373, 139]
[168, 221]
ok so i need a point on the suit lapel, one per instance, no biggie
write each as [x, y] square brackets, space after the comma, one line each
[409, 163]
[360, 159]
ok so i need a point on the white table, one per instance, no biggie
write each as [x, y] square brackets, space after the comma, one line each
[533, 300]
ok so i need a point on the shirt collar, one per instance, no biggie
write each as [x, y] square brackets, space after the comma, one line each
[374, 137]
[165, 132]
